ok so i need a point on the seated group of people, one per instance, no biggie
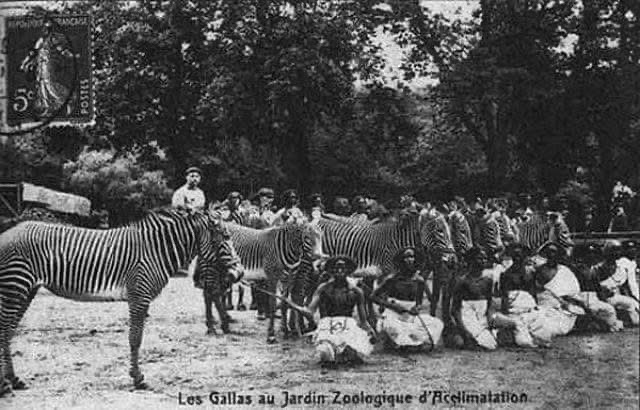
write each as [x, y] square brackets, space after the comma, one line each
[530, 301]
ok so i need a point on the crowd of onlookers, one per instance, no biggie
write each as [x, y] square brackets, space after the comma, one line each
[264, 207]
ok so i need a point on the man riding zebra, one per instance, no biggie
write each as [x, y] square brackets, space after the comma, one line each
[132, 263]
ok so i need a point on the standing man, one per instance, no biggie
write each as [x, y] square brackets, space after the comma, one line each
[265, 204]
[265, 218]
[291, 211]
[317, 207]
[361, 208]
[341, 206]
[189, 196]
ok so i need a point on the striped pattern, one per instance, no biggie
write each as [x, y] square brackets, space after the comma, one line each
[560, 235]
[373, 246]
[533, 233]
[487, 235]
[460, 232]
[506, 230]
[280, 255]
[131, 263]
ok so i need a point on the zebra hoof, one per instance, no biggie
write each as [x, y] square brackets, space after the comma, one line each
[225, 328]
[229, 307]
[139, 384]
[211, 332]
[5, 388]
[18, 384]
[242, 307]
[271, 340]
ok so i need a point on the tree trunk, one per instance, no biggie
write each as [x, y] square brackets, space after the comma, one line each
[497, 149]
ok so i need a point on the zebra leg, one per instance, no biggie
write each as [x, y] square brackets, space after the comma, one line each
[225, 319]
[229, 294]
[371, 313]
[262, 301]
[435, 293]
[5, 358]
[16, 383]
[138, 309]
[9, 322]
[295, 324]
[271, 303]
[254, 300]
[207, 293]
[241, 305]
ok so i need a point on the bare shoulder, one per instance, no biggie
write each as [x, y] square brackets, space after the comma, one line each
[356, 289]
[324, 287]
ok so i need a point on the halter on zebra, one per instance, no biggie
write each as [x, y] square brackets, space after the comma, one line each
[282, 254]
[132, 263]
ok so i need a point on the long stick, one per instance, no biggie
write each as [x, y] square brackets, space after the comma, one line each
[395, 308]
[284, 299]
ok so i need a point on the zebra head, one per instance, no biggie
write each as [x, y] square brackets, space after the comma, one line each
[435, 235]
[217, 251]
[312, 241]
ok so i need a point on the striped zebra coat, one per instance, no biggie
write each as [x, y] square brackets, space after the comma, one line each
[132, 263]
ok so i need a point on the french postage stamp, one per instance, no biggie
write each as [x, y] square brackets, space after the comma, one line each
[48, 71]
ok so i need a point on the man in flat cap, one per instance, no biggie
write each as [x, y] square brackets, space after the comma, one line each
[189, 196]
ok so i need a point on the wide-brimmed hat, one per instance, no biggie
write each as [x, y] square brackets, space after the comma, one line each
[332, 261]
[193, 169]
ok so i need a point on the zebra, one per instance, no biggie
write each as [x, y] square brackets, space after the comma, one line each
[534, 232]
[460, 232]
[131, 263]
[273, 254]
[373, 245]
[486, 234]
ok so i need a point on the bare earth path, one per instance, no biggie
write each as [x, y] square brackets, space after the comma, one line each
[76, 355]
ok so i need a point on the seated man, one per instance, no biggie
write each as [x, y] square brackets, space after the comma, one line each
[615, 274]
[557, 287]
[600, 312]
[338, 338]
[472, 300]
[517, 316]
[403, 324]
[628, 262]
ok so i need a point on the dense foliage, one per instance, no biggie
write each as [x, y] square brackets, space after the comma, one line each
[264, 93]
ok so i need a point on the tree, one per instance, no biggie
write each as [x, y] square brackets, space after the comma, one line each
[604, 88]
[116, 183]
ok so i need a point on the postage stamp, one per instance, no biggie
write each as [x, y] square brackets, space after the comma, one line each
[48, 63]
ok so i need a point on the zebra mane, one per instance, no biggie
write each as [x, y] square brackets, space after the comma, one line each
[165, 211]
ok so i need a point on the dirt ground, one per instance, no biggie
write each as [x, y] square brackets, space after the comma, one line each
[76, 355]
